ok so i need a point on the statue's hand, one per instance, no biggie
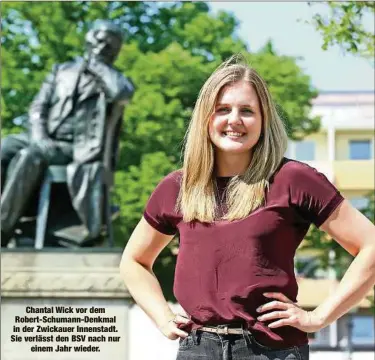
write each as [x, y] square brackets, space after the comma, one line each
[94, 61]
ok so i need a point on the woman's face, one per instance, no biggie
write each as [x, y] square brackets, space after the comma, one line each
[236, 124]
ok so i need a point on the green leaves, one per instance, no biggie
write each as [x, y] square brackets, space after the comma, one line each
[170, 50]
[134, 186]
[345, 26]
[290, 89]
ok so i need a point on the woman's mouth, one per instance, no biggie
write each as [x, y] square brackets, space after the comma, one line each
[233, 134]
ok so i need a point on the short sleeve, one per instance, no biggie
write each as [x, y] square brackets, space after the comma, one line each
[160, 208]
[312, 194]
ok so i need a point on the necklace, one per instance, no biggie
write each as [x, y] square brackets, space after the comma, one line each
[220, 200]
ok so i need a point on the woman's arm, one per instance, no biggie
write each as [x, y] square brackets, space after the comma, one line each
[355, 233]
[140, 253]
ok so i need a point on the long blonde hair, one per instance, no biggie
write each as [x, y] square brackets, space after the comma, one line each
[245, 192]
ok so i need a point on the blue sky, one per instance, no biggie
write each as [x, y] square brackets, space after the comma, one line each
[329, 70]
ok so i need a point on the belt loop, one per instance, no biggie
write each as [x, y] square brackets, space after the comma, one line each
[246, 335]
[226, 330]
[194, 336]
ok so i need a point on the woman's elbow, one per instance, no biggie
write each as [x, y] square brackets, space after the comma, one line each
[126, 264]
[130, 267]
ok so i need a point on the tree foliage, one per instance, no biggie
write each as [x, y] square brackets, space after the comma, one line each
[345, 27]
[170, 50]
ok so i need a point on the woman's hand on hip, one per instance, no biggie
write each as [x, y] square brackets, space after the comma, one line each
[288, 313]
[170, 328]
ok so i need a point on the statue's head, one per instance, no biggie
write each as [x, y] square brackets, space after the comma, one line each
[104, 40]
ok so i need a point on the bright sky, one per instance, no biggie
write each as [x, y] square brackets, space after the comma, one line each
[329, 70]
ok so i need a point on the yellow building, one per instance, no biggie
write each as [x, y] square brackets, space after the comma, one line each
[343, 150]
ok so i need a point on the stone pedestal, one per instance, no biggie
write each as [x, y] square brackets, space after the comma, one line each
[51, 280]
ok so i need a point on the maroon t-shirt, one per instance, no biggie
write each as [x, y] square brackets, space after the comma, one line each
[223, 268]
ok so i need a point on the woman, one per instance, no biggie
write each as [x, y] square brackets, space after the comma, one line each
[241, 209]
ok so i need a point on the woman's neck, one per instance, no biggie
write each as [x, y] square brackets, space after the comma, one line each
[227, 165]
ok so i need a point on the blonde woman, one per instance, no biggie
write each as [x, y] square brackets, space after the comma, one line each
[241, 209]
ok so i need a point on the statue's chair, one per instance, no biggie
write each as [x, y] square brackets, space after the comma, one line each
[57, 174]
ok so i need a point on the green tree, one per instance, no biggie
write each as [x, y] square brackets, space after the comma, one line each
[345, 26]
[369, 210]
[37, 35]
[171, 49]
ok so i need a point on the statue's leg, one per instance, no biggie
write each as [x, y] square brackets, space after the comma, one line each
[25, 171]
[10, 146]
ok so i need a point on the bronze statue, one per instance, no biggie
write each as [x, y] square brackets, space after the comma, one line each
[67, 125]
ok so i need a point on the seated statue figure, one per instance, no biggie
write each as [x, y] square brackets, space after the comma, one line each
[66, 125]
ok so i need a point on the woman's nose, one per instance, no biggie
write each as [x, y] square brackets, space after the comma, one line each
[234, 117]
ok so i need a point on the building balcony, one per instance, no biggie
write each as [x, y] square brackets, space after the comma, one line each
[312, 292]
[354, 174]
[348, 174]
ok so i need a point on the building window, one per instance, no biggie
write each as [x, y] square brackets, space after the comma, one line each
[359, 149]
[363, 330]
[360, 203]
[305, 150]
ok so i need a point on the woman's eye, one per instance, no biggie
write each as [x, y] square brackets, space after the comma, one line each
[223, 109]
[247, 110]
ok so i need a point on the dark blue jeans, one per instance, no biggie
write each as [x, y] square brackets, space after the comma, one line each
[210, 346]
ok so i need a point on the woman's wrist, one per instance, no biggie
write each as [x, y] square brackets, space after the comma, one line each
[319, 318]
[166, 320]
